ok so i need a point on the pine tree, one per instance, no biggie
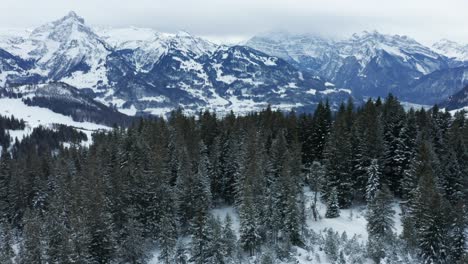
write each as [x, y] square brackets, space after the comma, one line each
[331, 246]
[32, 249]
[167, 236]
[393, 116]
[180, 253]
[320, 131]
[317, 177]
[373, 181]
[201, 197]
[133, 247]
[249, 233]
[338, 156]
[6, 250]
[229, 238]
[380, 223]
[5, 176]
[457, 234]
[333, 209]
[216, 253]
[429, 215]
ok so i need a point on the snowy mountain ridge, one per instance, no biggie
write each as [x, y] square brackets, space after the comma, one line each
[452, 49]
[143, 71]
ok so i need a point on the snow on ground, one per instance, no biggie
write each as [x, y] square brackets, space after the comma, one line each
[408, 105]
[232, 212]
[351, 220]
[35, 116]
[453, 112]
[128, 111]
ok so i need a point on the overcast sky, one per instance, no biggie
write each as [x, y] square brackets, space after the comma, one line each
[424, 20]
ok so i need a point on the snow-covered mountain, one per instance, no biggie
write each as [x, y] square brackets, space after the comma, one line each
[144, 71]
[65, 49]
[452, 49]
[437, 86]
[369, 63]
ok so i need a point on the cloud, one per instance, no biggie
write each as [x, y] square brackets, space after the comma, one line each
[426, 20]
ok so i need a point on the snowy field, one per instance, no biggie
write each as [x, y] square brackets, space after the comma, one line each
[35, 116]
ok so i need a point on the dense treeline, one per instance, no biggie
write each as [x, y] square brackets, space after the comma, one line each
[8, 123]
[153, 186]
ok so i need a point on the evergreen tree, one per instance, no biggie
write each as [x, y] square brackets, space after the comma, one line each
[32, 249]
[333, 209]
[6, 250]
[229, 238]
[180, 253]
[373, 182]
[316, 178]
[216, 253]
[380, 223]
[393, 116]
[457, 234]
[167, 237]
[338, 156]
[429, 214]
[200, 229]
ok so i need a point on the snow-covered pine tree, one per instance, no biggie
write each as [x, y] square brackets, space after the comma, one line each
[180, 256]
[333, 208]
[429, 214]
[317, 177]
[32, 248]
[338, 157]
[393, 116]
[249, 229]
[133, 246]
[320, 130]
[229, 239]
[6, 249]
[451, 178]
[216, 253]
[167, 236]
[201, 202]
[331, 246]
[4, 182]
[457, 234]
[373, 180]
[380, 223]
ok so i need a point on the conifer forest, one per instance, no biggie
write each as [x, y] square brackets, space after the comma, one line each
[149, 193]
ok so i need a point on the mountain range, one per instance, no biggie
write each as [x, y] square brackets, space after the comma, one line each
[139, 71]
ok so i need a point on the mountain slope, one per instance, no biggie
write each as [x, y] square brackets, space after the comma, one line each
[69, 101]
[141, 71]
[67, 50]
[457, 101]
[436, 86]
[452, 50]
[370, 64]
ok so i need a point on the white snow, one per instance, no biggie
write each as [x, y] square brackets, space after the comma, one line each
[328, 91]
[452, 112]
[128, 111]
[312, 91]
[232, 212]
[159, 98]
[352, 221]
[35, 116]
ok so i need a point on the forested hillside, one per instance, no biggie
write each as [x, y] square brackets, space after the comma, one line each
[153, 187]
